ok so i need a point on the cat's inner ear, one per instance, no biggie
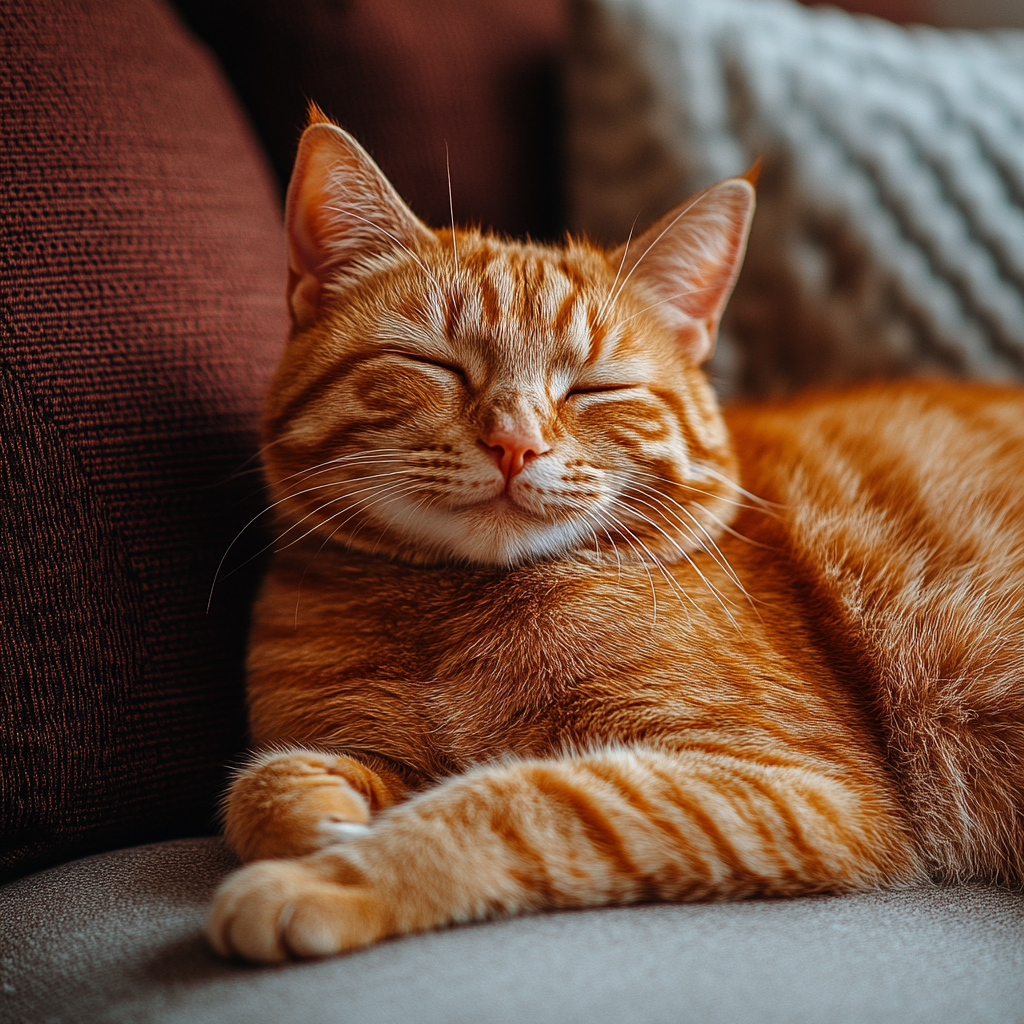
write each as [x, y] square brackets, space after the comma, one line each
[688, 261]
[341, 211]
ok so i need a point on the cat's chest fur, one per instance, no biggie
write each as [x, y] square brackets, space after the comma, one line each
[443, 669]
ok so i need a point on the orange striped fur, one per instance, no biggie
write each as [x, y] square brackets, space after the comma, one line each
[544, 629]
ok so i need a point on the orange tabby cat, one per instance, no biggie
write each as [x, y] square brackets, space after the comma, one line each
[527, 643]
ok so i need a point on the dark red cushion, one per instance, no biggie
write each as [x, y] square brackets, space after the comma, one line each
[406, 76]
[141, 291]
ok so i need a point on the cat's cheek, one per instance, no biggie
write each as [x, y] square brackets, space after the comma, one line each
[276, 910]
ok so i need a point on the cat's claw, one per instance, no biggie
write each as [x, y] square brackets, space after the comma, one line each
[334, 831]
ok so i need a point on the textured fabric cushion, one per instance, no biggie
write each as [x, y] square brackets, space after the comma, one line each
[141, 290]
[889, 236]
[406, 77]
[119, 938]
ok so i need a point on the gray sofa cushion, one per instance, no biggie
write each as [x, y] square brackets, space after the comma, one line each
[119, 937]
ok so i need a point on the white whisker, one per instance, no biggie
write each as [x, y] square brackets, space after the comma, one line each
[654, 594]
[673, 584]
[288, 497]
[622, 262]
[663, 500]
[756, 498]
[712, 589]
[394, 485]
[451, 202]
[713, 552]
[760, 505]
[242, 471]
[660, 302]
[353, 457]
[351, 212]
[585, 515]
[664, 231]
[326, 541]
[269, 508]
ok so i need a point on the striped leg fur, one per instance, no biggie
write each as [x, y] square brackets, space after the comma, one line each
[618, 826]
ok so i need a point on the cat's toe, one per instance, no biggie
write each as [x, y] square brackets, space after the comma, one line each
[334, 921]
[274, 910]
[248, 911]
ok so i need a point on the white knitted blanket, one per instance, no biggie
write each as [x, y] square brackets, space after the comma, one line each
[889, 236]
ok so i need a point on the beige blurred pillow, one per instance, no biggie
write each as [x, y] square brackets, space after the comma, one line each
[889, 237]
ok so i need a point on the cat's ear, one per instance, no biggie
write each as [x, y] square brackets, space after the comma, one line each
[689, 260]
[340, 211]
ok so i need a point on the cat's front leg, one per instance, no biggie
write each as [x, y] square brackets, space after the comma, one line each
[616, 827]
[287, 803]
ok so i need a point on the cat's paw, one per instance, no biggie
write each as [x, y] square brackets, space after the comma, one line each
[275, 910]
[292, 803]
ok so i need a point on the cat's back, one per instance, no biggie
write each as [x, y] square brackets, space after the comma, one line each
[898, 483]
[903, 505]
[859, 439]
[903, 502]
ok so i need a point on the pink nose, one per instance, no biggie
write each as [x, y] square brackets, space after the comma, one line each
[512, 449]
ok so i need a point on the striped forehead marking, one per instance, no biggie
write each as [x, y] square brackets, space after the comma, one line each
[516, 294]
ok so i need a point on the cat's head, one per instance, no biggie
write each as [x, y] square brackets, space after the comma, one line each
[449, 395]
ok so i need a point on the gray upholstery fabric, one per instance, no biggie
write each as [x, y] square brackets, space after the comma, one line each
[119, 938]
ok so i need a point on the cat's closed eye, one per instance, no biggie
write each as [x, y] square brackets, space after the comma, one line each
[438, 364]
[582, 390]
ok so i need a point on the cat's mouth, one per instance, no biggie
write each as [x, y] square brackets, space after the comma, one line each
[502, 509]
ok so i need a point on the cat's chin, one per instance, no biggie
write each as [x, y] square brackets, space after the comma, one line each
[502, 507]
[497, 531]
